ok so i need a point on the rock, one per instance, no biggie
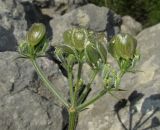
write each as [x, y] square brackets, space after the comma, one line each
[12, 21]
[53, 8]
[131, 26]
[33, 14]
[70, 2]
[89, 16]
[25, 104]
[7, 40]
[139, 106]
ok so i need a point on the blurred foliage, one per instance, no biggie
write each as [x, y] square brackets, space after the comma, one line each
[145, 11]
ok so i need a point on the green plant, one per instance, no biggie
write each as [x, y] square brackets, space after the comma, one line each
[144, 11]
[81, 46]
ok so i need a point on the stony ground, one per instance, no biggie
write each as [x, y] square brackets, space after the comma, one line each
[26, 105]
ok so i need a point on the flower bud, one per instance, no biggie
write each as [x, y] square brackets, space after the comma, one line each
[123, 46]
[36, 33]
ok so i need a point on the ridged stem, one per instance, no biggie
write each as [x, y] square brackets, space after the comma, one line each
[72, 119]
[48, 84]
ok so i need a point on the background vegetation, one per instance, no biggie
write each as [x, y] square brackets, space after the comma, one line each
[145, 11]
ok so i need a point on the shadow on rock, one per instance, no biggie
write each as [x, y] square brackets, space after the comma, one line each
[33, 14]
[65, 119]
[8, 41]
[112, 23]
[150, 104]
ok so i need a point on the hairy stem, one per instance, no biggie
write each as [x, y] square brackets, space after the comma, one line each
[48, 84]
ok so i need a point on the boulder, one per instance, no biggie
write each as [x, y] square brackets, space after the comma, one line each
[13, 24]
[130, 25]
[7, 40]
[99, 19]
[25, 104]
[139, 106]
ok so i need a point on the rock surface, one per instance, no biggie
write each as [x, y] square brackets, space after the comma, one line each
[24, 102]
[140, 101]
[131, 26]
[84, 16]
[12, 24]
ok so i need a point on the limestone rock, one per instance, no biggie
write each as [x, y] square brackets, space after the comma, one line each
[25, 104]
[141, 101]
[13, 24]
[70, 2]
[131, 26]
[88, 16]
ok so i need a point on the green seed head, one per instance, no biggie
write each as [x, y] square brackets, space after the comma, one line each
[36, 33]
[123, 46]
[76, 38]
[92, 54]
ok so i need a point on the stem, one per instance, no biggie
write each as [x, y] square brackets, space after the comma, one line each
[95, 98]
[92, 77]
[48, 84]
[72, 119]
[79, 70]
[77, 86]
[83, 95]
[70, 86]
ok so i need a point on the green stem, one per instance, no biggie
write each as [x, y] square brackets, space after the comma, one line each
[48, 84]
[92, 77]
[77, 86]
[95, 98]
[72, 119]
[79, 70]
[84, 94]
[70, 81]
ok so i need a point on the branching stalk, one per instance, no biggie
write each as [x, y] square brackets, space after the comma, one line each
[88, 87]
[70, 81]
[92, 100]
[48, 84]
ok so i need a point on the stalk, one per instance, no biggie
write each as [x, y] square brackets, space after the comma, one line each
[48, 84]
[70, 81]
[77, 83]
[73, 115]
[88, 87]
[92, 100]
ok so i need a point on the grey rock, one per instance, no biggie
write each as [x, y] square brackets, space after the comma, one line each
[88, 16]
[59, 7]
[70, 2]
[27, 111]
[16, 75]
[12, 21]
[130, 25]
[140, 101]
[7, 40]
[25, 104]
